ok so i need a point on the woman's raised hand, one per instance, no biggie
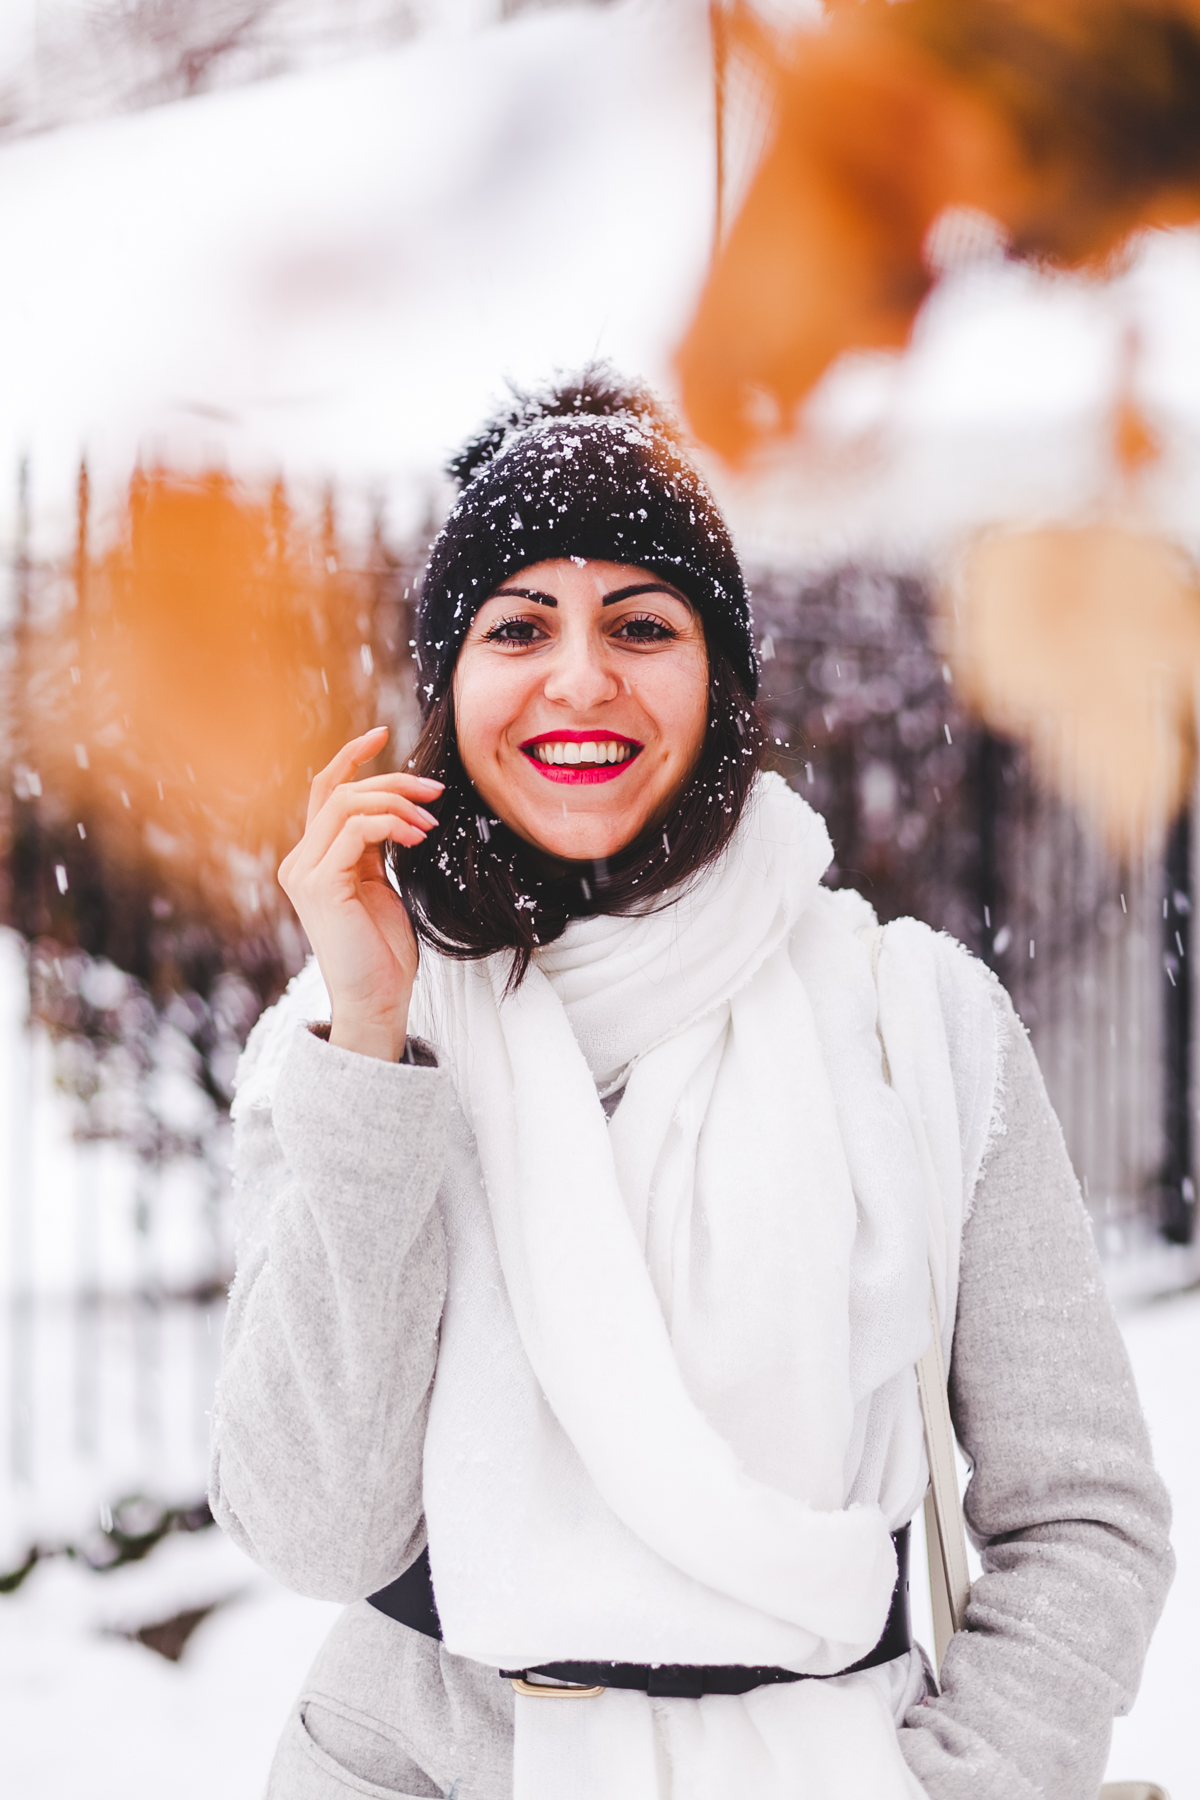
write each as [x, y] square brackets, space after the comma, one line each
[356, 923]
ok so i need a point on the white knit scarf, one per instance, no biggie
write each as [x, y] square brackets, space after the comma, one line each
[675, 1416]
[677, 1345]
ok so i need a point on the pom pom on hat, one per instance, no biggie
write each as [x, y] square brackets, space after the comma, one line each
[597, 392]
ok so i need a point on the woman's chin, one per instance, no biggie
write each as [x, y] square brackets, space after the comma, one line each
[580, 839]
[569, 848]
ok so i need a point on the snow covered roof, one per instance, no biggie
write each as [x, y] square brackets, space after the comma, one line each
[329, 275]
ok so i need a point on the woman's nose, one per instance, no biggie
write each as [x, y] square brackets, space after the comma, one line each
[580, 677]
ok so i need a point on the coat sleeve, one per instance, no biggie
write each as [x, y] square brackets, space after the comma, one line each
[331, 1336]
[1064, 1506]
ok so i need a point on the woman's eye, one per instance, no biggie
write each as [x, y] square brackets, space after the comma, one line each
[644, 628]
[514, 631]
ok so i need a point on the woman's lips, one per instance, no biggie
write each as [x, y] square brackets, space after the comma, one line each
[581, 758]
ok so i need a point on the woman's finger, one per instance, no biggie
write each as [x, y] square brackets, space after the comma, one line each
[367, 831]
[346, 801]
[341, 767]
[351, 838]
[399, 781]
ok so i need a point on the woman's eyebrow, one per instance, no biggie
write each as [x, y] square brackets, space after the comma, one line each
[644, 587]
[625, 593]
[527, 594]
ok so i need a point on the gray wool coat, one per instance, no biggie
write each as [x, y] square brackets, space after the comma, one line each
[330, 1350]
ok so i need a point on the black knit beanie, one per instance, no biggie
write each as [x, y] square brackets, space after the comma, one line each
[590, 467]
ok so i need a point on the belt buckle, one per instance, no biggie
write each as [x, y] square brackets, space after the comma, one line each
[538, 1690]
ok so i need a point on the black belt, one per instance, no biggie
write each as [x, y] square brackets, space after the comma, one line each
[409, 1600]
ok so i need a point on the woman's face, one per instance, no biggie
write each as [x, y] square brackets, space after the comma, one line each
[580, 703]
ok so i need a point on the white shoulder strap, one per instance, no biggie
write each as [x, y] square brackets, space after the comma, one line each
[946, 1541]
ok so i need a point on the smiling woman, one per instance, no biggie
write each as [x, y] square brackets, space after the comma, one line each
[596, 1186]
[614, 612]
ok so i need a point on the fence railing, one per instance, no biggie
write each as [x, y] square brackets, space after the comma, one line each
[113, 1270]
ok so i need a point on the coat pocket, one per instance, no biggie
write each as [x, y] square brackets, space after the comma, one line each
[329, 1750]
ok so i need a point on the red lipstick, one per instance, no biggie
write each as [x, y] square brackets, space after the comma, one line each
[581, 758]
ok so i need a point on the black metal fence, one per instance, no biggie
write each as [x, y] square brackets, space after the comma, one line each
[933, 817]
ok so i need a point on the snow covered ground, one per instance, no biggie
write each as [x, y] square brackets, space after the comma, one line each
[83, 1711]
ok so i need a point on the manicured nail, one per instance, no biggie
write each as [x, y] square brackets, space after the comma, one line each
[427, 816]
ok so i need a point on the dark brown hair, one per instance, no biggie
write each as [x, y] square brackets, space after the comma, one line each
[474, 887]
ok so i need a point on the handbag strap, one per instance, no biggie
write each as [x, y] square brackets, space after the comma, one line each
[945, 1538]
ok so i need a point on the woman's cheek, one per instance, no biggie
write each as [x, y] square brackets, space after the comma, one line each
[483, 708]
[681, 704]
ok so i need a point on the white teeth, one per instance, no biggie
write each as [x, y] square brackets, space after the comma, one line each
[589, 752]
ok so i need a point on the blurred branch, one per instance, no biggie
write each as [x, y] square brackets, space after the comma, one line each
[127, 1533]
[92, 58]
[185, 45]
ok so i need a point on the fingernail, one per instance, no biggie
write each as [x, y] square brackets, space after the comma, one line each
[427, 816]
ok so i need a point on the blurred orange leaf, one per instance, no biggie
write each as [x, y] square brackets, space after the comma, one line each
[1072, 124]
[216, 655]
[206, 644]
[1085, 642]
